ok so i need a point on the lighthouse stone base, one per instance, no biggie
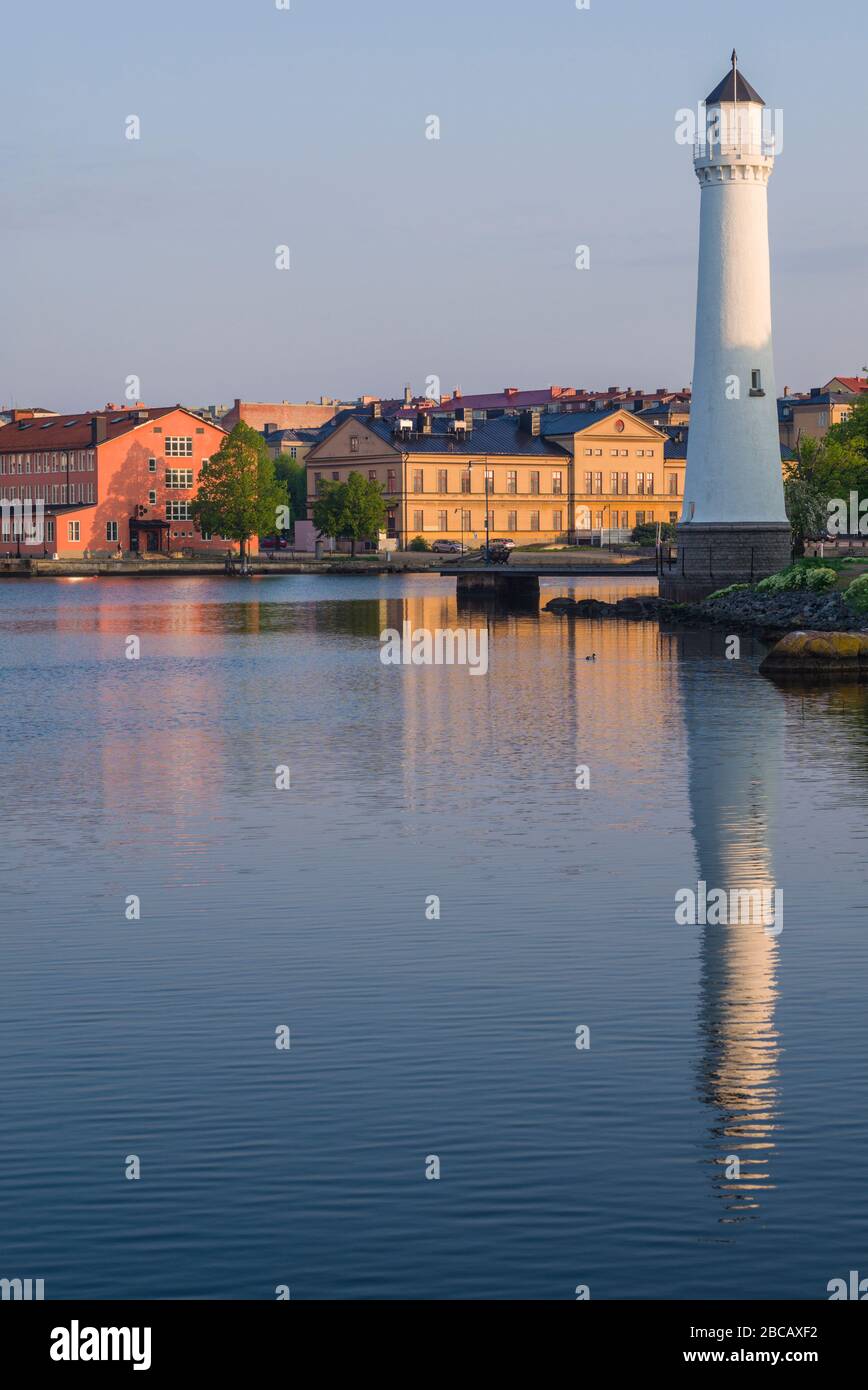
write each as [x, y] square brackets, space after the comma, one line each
[713, 556]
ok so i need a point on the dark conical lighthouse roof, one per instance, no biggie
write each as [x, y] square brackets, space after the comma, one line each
[734, 87]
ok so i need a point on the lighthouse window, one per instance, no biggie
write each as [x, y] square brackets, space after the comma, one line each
[756, 383]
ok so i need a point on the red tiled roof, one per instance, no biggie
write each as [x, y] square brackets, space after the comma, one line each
[853, 383]
[73, 431]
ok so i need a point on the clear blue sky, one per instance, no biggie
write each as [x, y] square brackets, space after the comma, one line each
[410, 257]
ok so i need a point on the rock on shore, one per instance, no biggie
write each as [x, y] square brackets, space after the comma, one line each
[802, 654]
[769, 615]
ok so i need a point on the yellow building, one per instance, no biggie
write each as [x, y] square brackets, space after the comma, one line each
[811, 416]
[550, 477]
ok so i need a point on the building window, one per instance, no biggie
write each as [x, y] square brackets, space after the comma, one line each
[756, 380]
[534, 487]
[512, 521]
[625, 520]
[640, 484]
[443, 521]
[418, 521]
[557, 482]
[317, 482]
[598, 484]
[391, 481]
[152, 497]
[372, 475]
[649, 484]
[557, 521]
[336, 477]
[418, 480]
[152, 465]
[111, 530]
[354, 443]
[534, 521]
[673, 517]
[589, 483]
[465, 520]
[179, 446]
[179, 477]
[177, 510]
[49, 529]
[640, 518]
[673, 484]
[442, 480]
[491, 521]
[512, 481]
[465, 480]
[73, 530]
[489, 479]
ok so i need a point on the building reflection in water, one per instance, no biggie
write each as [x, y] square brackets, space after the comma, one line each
[733, 771]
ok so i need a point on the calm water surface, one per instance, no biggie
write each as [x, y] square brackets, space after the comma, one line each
[413, 1037]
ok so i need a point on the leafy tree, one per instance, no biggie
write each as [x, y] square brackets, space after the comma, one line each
[418, 543]
[806, 509]
[328, 509]
[294, 476]
[238, 496]
[353, 510]
[364, 512]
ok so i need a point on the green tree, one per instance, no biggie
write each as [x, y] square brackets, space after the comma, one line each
[806, 504]
[238, 495]
[294, 477]
[353, 510]
[328, 508]
[829, 468]
[364, 511]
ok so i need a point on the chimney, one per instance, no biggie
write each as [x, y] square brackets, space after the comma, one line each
[468, 418]
[142, 416]
[269, 428]
[530, 421]
[786, 390]
[423, 422]
[377, 410]
[98, 429]
[510, 390]
[457, 393]
[408, 394]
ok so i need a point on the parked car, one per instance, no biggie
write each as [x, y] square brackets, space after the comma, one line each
[506, 544]
[273, 543]
[448, 548]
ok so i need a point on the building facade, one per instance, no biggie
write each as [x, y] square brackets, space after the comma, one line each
[550, 478]
[811, 416]
[120, 477]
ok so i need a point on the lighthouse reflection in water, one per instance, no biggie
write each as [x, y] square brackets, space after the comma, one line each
[733, 769]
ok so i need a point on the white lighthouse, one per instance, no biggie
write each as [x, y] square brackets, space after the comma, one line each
[733, 524]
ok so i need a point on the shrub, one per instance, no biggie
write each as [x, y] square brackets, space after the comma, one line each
[815, 578]
[856, 594]
[722, 593]
[646, 534]
[819, 580]
[418, 543]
